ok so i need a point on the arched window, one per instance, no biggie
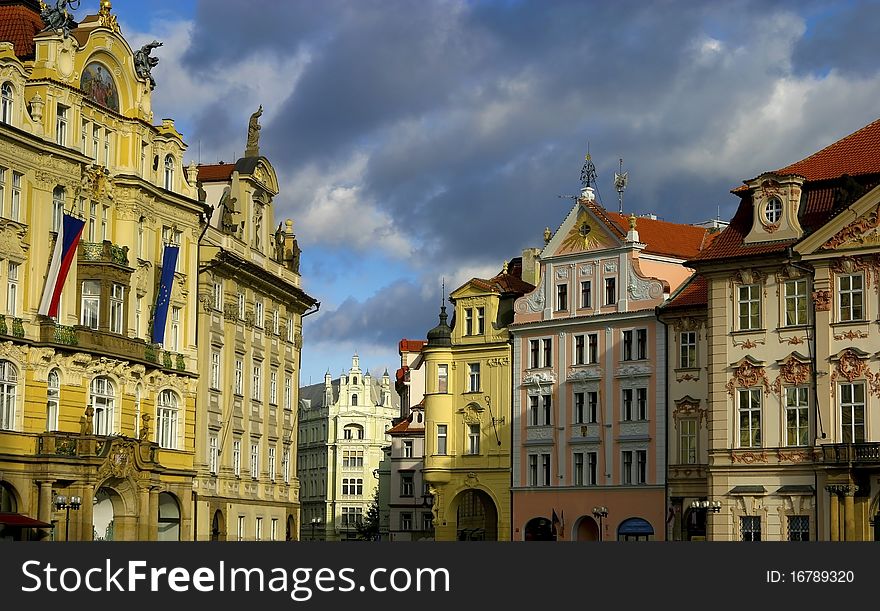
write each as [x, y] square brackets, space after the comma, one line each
[103, 400]
[353, 431]
[169, 172]
[137, 410]
[354, 399]
[57, 208]
[53, 396]
[167, 419]
[6, 103]
[8, 387]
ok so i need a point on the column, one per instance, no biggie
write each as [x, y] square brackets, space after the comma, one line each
[87, 516]
[849, 516]
[834, 503]
[44, 510]
[152, 518]
[143, 533]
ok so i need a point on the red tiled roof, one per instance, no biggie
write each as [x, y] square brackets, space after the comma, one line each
[19, 25]
[695, 292]
[856, 154]
[400, 427]
[503, 283]
[663, 237]
[216, 172]
[411, 345]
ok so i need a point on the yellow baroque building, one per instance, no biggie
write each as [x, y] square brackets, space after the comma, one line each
[467, 409]
[92, 409]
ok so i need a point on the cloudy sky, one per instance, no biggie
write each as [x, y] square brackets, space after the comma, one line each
[426, 139]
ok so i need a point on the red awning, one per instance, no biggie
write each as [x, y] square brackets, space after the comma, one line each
[21, 521]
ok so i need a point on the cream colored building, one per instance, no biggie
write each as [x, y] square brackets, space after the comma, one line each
[794, 437]
[343, 427]
[92, 408]
[250, 338]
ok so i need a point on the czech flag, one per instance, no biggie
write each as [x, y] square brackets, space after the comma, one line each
[62, 258]
[169, 262]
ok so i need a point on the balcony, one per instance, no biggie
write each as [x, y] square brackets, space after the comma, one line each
[848, 453]
[10, 325]
[78, 445]
[103, 252]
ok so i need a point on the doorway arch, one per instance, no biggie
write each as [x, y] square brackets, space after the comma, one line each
[635, 529]
[8, 498]
[586, 529]
[104, 513]
[539, 529]
[291, 529]
[168, 518]
[476, 517]
[218, 527]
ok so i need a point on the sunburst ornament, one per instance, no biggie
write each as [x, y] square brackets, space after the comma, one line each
[582, 236]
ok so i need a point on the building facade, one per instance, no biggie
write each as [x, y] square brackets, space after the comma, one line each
[467, 409]
[98, 401]
[343, 426]
[589, 404]
[794, 444]
[250, 338]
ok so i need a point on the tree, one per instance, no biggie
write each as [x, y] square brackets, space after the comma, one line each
[368, 529]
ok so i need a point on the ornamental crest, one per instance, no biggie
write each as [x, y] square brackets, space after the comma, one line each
[747, 375]
[794, 370]
[120, 462]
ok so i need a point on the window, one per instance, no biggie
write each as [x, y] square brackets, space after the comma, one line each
[138, 311]
[354, 399]
[626, 407]
[273, 387]
[96, 139]
[851, 297]
[351, 517]
[641, 466]
[593, 348]
[274, 527]
[287, 394]
[547, 404]
[57, 208]
[798, 528]
[218, 296]
[407, 448]
[215, 370]
[642, 403]
[257, 389]
[578, 469]
[93, 221]
[687, 344]
[406, 483]
[545, 469]
[276, 322]
[258, 314]
[15, 204]
[441, 439]
[6, 99]
[687, 441]
[239, 367]
[167, 411]
[481, 320]
[750, 418]
[12, 289]
[285, 465]
[797, 415]
[213, 454]
[353, 431]
[579, 408]
[442, 378]
[241, 306]
[102, 400]
[473, 439]
[533, 410]
[610, 291]
[169, 172]
[773, 211]
[108, 137]
[241, 528]
[255, 459]
[641, 344]
[468, 321]
[749, 307]
[258, 530]
[750, 527]
[427, 521]
[852, 412]
[290, 330]
[117, 305]
[140, 238]
[355, 486]
[2, 189]
[548, 352]
[796, 302]
[628, 345]
[61, 126]
[53, 393]
[533, 469]
[578, 349]
[561, 297]
[534, 353]
[105, 212]
[8, 387]
[592, 407]
[592, 462]
[626, 467]
[473, 377]
[406, 520]
[586, 294]
[137, 410]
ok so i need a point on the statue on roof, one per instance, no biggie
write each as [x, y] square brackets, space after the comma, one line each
[143, 63]
[57, 18]
[253, 138]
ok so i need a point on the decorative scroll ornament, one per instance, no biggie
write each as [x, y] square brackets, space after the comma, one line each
[794, 455]
[471, 414]
[851, 366]
[688, 407]
[534, 302]
[747, 375]
[538, 378]
[793, 371]
[822, 300]
[861, 232]
[851, 335]
[748, 458]
[120, 462]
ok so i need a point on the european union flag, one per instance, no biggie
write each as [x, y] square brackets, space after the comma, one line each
[169, 262]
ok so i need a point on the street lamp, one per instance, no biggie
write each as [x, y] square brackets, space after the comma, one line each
[600, 513]
[315, 522]
[62, 502]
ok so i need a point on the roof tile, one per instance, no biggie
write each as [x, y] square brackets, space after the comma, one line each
[19, 25]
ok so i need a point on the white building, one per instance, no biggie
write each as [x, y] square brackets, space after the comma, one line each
[342, 430]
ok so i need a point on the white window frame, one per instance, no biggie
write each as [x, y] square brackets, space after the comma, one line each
[407, 448]
[273, 387]
[238, 386]
[168, 419]
[174, 328]
[851, 301]
[753, 433]
[7, 102]
[255, 459]
[218, 296]
[748, 307]
[117, 308]
[15, 203]
[236, 457]
[473, 377]
[851, 404]
[688, 435]
[90, 307]
[215, 369]
[442, 439]
[586, 294]
[272, 463]
[53, 399]
[58, 195]
[102, 398]
[257, 382]
[259, 314]
[8, 394]
[795, 292]
[687, 349]
[797, 413]
[473, 436]
[61, 125]
[168, 183]
[213, 454]
[12, 288]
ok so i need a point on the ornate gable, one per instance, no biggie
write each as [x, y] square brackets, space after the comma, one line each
[581, 231]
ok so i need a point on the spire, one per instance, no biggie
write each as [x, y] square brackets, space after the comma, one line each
[441, 335]
[620, 179]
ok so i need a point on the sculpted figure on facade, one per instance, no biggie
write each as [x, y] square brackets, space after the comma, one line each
[57, 18]
[144, 63]
[253, 138]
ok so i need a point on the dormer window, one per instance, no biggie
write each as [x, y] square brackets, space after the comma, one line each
[773, 211]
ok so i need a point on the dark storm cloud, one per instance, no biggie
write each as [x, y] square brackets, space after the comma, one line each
[845, 37]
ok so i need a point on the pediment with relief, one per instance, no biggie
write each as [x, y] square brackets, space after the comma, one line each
[864, 231]
[584, 234]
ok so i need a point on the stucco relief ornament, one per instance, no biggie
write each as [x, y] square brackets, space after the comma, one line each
[108, 20]
[792, 372]
[748, 458]
[121, 461]
[538, 378]
[861, 231]
[748, 375]
[471, 415]
[822, 300]
[534, 302]
[851, 366]
[561, 273]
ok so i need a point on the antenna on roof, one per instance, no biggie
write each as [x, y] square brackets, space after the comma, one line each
[443, 290]
[620, 179]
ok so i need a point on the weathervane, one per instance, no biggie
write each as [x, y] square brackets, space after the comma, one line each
[620, 184]
[588, 172]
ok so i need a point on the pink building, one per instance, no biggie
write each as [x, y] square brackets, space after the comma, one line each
[589, 355]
